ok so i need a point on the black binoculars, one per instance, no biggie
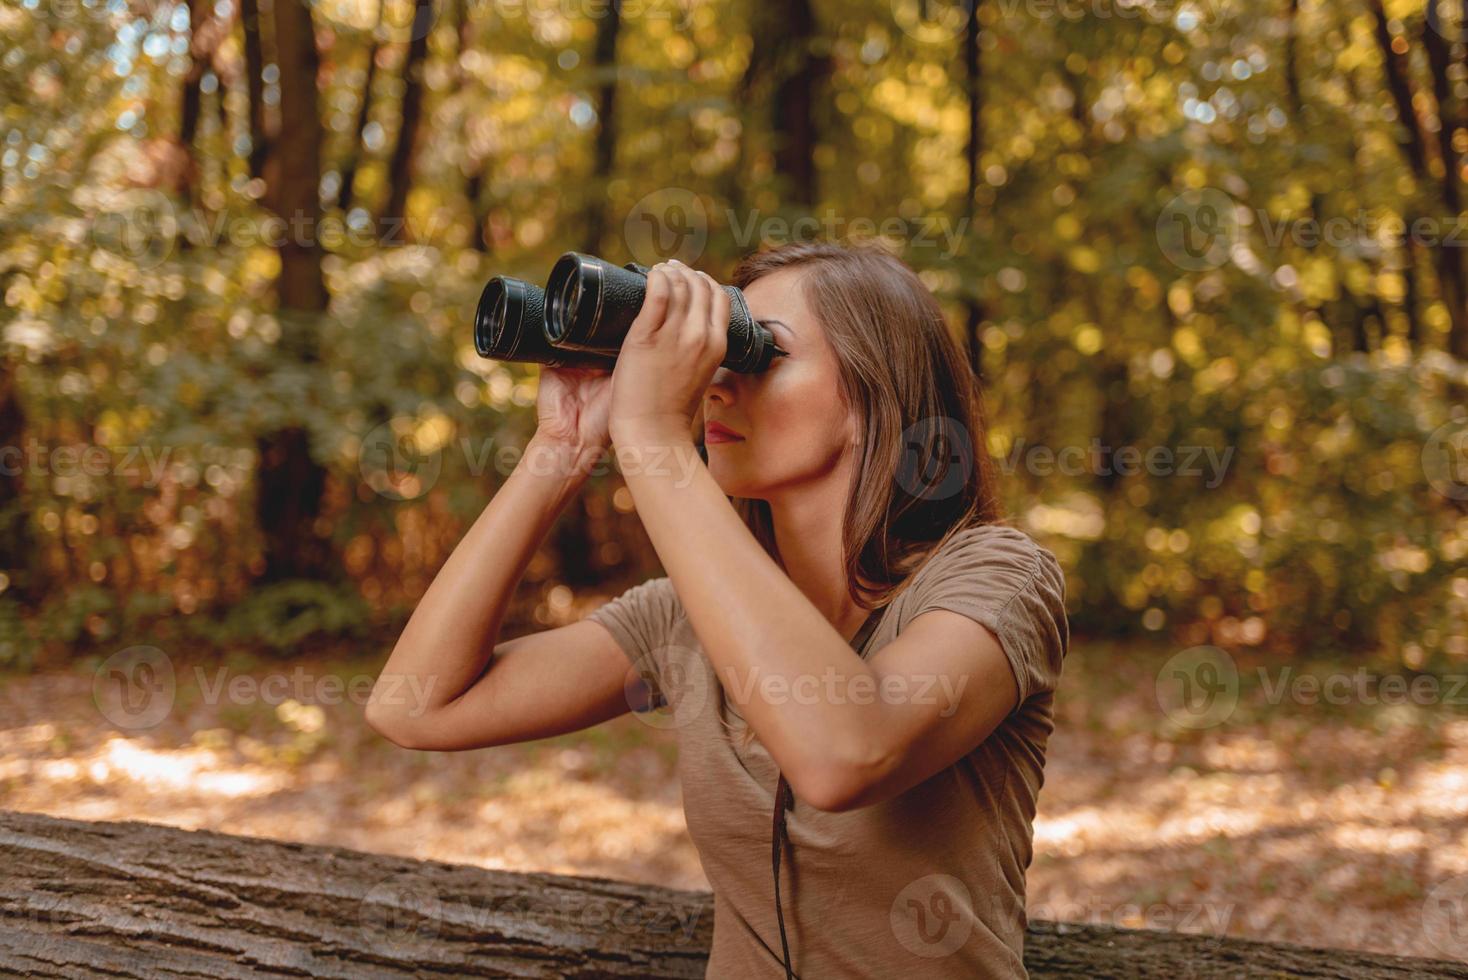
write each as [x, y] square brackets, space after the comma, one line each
[582, 316]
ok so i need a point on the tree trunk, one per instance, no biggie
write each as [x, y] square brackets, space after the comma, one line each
[748, 93]
[400, 168]
[289, 483]
[1395, 65]
[1450, 259]
[1407, 255]
[473, 166]
[290, 486]
[206, 32]
[973, 74]
[22, 562]
[1291, 58]
[1399, 84]
[474, 190]
[255, 85]
[364, 111]
[188, 117]
[1409, 284]
[799, 71]
[604, 64]
[121, 900]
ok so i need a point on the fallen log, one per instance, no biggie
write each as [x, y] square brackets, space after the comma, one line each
[81, 899]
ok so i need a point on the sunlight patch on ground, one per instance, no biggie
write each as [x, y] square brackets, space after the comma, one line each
[191, 771]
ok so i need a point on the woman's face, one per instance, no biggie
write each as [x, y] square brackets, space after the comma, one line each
[794, 425]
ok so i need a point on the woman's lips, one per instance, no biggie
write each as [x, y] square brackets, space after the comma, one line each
[714, 432]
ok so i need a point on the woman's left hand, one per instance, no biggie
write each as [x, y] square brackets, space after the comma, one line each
[669, 355]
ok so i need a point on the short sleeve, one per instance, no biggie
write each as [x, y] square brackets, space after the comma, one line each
[1001, 578]
[641, 620]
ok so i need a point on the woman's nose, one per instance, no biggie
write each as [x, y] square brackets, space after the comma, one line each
[721, 385]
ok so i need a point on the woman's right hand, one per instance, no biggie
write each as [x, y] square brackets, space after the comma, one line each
[572, 408]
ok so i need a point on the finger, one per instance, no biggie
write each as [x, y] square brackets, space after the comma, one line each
[720, 314]
[705, 296]
[711, 307]
[654, 311]
[679, 293]
[698, 300]
[718, 319]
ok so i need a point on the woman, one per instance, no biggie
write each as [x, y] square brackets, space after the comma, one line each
[857, 630]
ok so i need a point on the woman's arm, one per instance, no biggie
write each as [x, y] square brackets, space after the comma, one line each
[846, 732]
[447, 685]
[427, 696]
[816, 705]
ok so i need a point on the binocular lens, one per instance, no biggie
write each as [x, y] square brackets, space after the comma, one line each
[565, 299]
[509, 325]
[592, 303]
[502, 302]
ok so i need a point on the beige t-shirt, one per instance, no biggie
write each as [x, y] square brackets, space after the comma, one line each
[930, 883]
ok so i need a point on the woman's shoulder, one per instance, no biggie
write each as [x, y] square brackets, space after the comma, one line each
[1002, 577]
[992, 541]
[653, 602]
[660, 591]
[1004, 558]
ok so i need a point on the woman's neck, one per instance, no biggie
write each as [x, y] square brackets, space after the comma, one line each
[808, 523]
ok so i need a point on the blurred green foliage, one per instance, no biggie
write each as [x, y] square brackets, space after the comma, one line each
[141, 318]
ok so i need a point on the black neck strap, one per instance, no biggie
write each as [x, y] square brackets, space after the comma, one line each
[785, 800]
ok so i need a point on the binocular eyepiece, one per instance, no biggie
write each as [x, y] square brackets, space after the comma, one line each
[582, 316]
